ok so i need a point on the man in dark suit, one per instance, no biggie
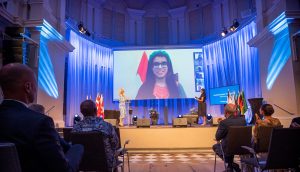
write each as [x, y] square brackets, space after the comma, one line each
[33, 133]
[221, 134]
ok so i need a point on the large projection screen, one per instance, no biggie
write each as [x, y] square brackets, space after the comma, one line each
[129, 66]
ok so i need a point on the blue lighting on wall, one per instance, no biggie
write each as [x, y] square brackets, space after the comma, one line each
[281, 51]
[46, 76]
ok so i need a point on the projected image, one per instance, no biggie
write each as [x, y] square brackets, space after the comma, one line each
[155, 74]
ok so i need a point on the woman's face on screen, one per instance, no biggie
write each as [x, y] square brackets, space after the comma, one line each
[160, 66]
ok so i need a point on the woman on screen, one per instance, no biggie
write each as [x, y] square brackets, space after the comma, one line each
[122, 106]
[161, 82]
[202, 106]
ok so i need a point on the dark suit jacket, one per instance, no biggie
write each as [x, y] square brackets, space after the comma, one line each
[225, 124]
[34, 135]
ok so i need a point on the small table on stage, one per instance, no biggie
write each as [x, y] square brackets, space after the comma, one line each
[191, 119]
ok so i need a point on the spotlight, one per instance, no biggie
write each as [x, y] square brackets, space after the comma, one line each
[235, 25]
[224, 32]
[134, 119]
[77, 118]
[209, 116]
[83, 30]
[179, 116]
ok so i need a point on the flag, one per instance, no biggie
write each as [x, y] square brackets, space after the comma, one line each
[142, 69]
[242, 103]
[101, 111]
[100, 106]
[230, 99]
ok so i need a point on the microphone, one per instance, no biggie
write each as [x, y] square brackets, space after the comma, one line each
[47, 112]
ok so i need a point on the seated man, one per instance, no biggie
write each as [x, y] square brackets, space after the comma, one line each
[33, 133]
[221, 134]
[91, 122]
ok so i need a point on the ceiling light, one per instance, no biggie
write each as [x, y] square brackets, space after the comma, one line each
[234, 25]
[224, 32]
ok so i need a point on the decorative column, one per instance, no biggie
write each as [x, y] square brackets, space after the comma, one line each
[178, 25]
[135, 31]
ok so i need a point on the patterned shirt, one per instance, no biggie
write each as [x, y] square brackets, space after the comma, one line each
[111, 139]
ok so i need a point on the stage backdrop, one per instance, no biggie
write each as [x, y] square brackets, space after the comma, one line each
[229, 61]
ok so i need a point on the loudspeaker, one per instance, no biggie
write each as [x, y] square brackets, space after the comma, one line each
[179, 122]
[113, 122]
[144, 122]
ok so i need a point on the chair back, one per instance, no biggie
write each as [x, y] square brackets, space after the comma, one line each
[264, 137]
[284, 148]
[94, 157]
[67, 133]
[9, 159]
[238, 136]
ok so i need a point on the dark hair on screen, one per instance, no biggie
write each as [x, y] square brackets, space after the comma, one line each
[149, 83]
[267, 109]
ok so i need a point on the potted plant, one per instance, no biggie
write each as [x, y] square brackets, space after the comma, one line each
[153, 116]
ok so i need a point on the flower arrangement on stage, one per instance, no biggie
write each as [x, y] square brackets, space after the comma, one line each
[154, 116]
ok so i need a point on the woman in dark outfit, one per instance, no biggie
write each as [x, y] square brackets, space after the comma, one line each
[202, 106]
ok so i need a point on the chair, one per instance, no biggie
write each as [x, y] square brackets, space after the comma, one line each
[67, 133]
[237, 137]
[263, 138]
[283, 152]
[94, 157]
[9, 159]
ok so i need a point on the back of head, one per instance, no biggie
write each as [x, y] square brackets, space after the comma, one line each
[230, 109]
[88, 108]
[37, 108]
[267, 109]
[18, 82]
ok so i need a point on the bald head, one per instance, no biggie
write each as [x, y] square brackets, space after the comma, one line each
[230, 109]
[88, 108]
[18, 82]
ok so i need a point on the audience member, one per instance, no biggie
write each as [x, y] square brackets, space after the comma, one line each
[221, 134]
[41, 109]
[295, 123]
[266, 111]
[33, 133]
[91, 122]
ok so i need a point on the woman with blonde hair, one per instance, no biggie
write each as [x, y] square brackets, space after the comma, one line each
[122, 106]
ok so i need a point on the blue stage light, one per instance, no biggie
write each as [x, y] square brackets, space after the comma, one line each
[46, 76]
[281, 50]
[209, 116]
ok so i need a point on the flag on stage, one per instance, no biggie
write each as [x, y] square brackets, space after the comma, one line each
[230, 99]
[242, 103]
[142, 69]
[100, 106]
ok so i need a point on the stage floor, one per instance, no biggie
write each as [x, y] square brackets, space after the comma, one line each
[165, 137]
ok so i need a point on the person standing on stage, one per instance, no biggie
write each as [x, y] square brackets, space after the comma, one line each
[122, 106]
[202, 106]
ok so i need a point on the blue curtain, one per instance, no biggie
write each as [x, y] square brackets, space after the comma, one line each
[232, 61]
[89, 72]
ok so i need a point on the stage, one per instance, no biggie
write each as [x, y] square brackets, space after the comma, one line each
[166, 137]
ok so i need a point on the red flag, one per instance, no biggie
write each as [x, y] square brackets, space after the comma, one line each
[100, 106]
[142, 69]
[101, 109]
